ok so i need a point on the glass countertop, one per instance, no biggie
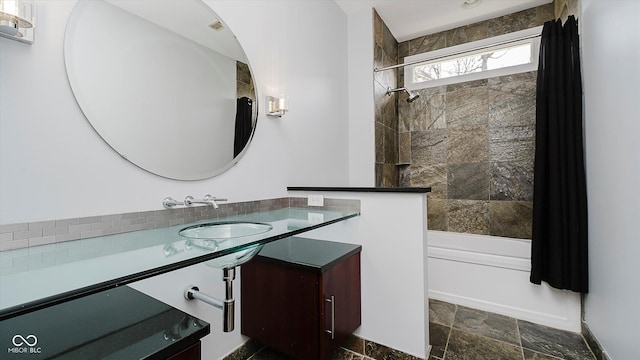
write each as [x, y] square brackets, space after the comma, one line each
[40, 276]
[128, 325]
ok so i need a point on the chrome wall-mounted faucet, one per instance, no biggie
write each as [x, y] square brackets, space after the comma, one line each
[189, 200]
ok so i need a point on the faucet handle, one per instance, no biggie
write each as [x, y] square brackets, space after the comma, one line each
[209, 197]
[188, 200]
[170, 202]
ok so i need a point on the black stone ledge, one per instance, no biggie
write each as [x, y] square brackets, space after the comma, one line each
[362, 189]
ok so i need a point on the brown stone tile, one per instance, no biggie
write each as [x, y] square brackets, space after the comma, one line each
[377, 28]
[549, 341]
[437, 214]
[441, 312]
[390, 112]
[343, 354]
[523, 84]
[243, 73]
[544, 13]
[404, 148]
[378, 62]
[436, 106]
[379, 142]
[468, 216]
[512, 143]
[355, 344]
[404, 117]
[466, 346]
[511, 219]
[468, 144]
[379, 170]
[512, 22]
[390, 145]
[467, 85]
[429, 147]
[380, 99]
[404, 176]
[467, 106]
[465, 34]
[389, 175]
[245, 351]
[416, 112]
[427, 43]
[403, 50]
[487, 324]
[387, 78]
[507, 109]
[434, 176]
[389, 60]
[532, 355]
[512, 181]
[468, 181]
[389, 44]
[270, 354]
[438, 337]
[378, 351]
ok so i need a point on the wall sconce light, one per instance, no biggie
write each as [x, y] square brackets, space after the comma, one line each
[17, 18]
[277, 106]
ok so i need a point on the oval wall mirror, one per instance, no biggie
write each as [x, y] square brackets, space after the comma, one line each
[164, 83]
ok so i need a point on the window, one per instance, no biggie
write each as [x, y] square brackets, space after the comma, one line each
[501, 55]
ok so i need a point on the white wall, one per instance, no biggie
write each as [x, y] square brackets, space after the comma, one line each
[392, 231]
[610, 57]
[361, 100]
[53, 165]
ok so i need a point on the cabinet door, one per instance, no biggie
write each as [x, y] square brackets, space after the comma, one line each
[280, 307]
[340, 304]
[192, 352]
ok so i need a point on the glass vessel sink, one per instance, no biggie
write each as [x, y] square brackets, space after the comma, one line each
[235, 259]
[210, 236]
[220, 231]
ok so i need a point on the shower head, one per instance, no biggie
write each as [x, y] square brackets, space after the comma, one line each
[412, 96]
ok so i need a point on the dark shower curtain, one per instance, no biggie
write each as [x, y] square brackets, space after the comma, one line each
[243, 124]
[559, 236]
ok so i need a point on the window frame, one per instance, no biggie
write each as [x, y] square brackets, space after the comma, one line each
[531, 36]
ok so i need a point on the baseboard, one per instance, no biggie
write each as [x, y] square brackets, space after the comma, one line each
[558, 322]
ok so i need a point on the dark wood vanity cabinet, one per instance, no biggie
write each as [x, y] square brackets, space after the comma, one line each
[192, 352]
[302, 296]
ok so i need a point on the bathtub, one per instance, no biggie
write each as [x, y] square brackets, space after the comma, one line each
[492, 273]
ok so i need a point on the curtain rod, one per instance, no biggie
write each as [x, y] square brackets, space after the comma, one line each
[457, 53]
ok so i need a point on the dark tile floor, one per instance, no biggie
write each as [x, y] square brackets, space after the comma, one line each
[461, 333]
[458, 332]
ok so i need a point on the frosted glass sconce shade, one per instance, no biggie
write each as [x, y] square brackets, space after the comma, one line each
[17, 20]
[277, 106]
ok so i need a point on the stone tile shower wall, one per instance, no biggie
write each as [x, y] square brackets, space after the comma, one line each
[244, 85]
[386, 110]
[473, 142]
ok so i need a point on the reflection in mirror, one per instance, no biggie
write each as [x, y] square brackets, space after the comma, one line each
[164, 83]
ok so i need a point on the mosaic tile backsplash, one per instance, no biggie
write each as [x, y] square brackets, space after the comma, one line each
[472, 142]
